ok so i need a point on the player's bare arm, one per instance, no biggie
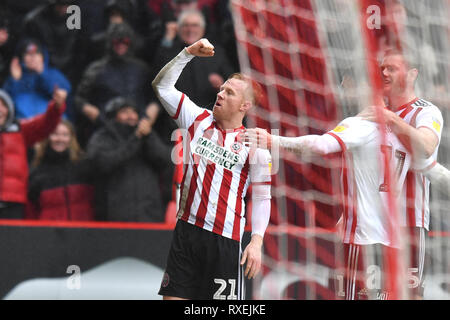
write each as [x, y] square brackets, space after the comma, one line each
[311, 144]
[421, 141]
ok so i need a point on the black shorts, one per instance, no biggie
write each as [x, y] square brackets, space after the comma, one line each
[202, 265]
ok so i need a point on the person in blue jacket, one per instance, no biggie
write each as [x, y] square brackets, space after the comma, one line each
[32, 81]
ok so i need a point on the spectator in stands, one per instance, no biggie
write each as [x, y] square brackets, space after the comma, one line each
[118, 73]
[60, 185]
[48, 24]
[6, 44]
[117, 12]
[32, 81]
[127, 156]
[215, 12]
[219, 23]
[19, 9]
[15, 137]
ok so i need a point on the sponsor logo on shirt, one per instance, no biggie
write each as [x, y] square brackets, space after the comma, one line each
[436, 125]
[339, 128]
[210, 151]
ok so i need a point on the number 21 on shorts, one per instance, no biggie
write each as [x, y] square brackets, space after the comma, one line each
[222, 286]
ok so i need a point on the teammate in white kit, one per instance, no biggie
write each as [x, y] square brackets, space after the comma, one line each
[418, 124]
[205, 257]
[362, 186]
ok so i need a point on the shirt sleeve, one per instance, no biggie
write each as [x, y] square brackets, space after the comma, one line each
[260, 177]
[176, 103]
[439, 177]
[431, 117]
[423, 164]
[260, 167]
[354, 132]
[260, 215]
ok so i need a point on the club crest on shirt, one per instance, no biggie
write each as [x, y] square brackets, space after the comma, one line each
[236, 147]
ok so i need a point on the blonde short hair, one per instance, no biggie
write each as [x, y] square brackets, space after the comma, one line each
[253, 90]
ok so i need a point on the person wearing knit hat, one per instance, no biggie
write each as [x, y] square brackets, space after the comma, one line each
[128, 156]
[32, 81]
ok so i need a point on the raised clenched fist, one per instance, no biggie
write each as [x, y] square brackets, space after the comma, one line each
[201, 48]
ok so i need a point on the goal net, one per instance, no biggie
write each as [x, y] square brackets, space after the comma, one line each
[317, 63]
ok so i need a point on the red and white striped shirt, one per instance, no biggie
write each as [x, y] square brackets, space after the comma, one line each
[218, 168]
[218, 173]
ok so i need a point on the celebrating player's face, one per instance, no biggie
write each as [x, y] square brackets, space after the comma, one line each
[229, 99]
[394, 72]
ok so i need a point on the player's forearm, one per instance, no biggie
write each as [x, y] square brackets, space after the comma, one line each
[261, 196]
[260, 217]
[418, 141]
[164, 82]
[314, 144]
[439, 176]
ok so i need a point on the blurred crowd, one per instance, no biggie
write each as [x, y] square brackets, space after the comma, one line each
[82, 134]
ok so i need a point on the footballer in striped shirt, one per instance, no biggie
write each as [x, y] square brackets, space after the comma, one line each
[205, 259]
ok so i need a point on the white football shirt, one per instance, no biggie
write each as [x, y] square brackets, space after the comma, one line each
[364, 180]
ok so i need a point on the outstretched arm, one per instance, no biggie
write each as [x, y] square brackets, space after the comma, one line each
[321, 145]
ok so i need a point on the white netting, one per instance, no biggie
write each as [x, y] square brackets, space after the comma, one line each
[310, 60]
